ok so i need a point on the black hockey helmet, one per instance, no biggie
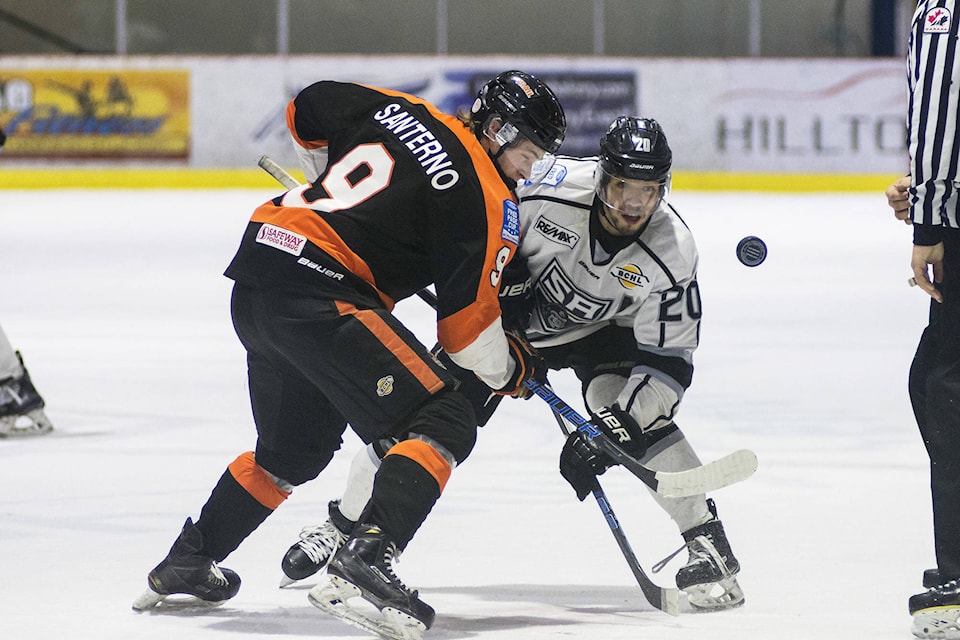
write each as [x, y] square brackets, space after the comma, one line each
[636, 149]
[525, 102]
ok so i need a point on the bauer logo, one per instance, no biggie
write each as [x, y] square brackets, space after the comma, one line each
[511, 222]
[281, 239]
[629, 276]
[937, 20]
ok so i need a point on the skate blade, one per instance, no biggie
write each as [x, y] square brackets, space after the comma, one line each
[937, 623]
[150, 600]
[286, 582]
[331, 595]
[715, 596]
[147, 600]
[32, 423]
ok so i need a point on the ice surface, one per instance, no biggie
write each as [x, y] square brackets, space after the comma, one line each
[118, 303]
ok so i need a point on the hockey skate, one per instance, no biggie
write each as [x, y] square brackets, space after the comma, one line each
[364, 567]
[21, 407]
[936, 612]
[185, 571]
[709, 577]
[315, 547]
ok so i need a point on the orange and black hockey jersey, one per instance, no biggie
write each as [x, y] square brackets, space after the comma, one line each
[408, 198]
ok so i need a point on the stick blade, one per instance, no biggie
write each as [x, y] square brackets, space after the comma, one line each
[730, 469]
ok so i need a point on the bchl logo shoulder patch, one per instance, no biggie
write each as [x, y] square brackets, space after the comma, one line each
[280, 238]
[630, 276]
[937, 20]
[510, 231]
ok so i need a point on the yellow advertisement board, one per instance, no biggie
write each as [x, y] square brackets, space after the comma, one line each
[79, 114]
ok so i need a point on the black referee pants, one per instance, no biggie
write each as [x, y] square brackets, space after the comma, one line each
[935, 396]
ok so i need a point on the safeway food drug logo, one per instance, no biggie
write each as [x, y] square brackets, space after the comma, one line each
[281, 239]
[937, 21]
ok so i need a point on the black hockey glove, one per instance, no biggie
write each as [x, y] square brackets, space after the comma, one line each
[482, 397]
[582, 461]
[530, 366]
[516, 296]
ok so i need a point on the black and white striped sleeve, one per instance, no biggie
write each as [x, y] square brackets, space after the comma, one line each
[932, 114]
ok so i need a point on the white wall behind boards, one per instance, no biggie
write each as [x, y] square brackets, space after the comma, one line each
[737, 115]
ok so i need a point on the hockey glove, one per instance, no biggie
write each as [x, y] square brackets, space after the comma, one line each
[581, 461]
[482, 397]
[530, 366]
[516, 296]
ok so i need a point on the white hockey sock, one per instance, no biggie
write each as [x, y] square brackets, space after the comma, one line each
[9, 364]
[674, 453]
[359, 483]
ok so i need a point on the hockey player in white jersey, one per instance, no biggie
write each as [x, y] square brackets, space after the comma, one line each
[611, 292]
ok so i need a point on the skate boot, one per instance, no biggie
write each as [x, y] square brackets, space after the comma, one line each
[185, 571]
[316, 546]
[709, 577]
[936, 611]
[21, 407]
[364, 567]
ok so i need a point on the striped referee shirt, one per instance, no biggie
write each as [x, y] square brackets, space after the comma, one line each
[933, 79]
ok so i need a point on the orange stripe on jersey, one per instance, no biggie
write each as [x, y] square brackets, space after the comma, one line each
[256, 481]
[306, 144]
[457, 331]
[309, 223]
[427, 457]
[400, 349]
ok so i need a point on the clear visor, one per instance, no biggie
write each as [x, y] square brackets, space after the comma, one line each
[527, 151]
[629, 196]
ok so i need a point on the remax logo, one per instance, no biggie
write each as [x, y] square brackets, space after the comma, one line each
[556, 233]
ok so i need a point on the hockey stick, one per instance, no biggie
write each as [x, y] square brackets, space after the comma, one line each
[667, 600]
[732, 468]
[278, 172]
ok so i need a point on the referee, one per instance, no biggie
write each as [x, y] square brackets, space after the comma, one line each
[928, 200]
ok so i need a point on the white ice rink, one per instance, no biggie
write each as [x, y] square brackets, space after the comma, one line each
[118, 303]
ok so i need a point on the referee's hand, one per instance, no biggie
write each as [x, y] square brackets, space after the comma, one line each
[925, 260]
[899, 199]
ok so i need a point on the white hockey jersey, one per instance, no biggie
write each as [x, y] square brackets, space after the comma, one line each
[649, 285]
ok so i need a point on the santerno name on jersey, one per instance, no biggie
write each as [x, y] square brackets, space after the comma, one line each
[427, 150]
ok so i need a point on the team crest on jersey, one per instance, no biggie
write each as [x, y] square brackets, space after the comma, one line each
[937, 20]
[556, 233]
[630, 276]
[385, 386]
[280, 238]
[511, 222]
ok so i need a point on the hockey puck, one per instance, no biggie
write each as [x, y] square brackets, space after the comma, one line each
[751, 251]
